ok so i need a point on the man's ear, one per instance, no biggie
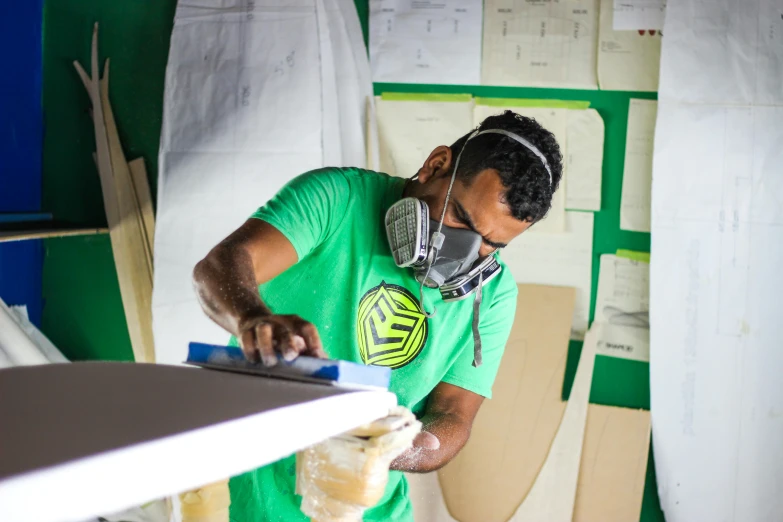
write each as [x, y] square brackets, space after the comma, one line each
[438, 163]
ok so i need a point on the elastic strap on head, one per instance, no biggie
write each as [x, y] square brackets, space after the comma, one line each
[522, 141]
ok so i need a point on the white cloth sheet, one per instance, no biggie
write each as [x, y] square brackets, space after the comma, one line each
[251, 101]
[426, 41]
[715, 273]
[559, 259]
[354, 83]
[622, 306]
[21, 342]
[637, 169]
[627, 60]
[540, 44]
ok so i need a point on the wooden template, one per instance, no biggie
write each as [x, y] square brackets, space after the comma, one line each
[141, 186]
[489, 478]
[614, 465]
[552, 496]
[126, 192]
[481, 483]
[611, 474]
[133, 262]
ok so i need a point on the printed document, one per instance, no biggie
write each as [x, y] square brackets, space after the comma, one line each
[426, 41]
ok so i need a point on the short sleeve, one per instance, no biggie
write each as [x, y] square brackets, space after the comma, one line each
[494, 327]
[309, 208]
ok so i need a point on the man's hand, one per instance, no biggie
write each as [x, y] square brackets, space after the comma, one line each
[447, 422]
[263, 336]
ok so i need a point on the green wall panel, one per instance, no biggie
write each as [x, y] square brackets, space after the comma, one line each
[83, 314]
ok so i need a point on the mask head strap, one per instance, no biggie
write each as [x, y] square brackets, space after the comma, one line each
[522, 141]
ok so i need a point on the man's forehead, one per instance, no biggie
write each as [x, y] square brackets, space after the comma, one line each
[485, 189]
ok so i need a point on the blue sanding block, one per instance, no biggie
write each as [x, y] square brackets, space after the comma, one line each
[304, 369]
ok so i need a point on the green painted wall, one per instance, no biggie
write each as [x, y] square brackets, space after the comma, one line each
[83, 310]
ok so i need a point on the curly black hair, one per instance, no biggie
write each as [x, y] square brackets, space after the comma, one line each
[529, 191]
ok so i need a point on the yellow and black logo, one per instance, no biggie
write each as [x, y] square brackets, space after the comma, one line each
[391, 326]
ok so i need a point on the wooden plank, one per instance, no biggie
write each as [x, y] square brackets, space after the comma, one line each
[20, 235]
[126, 193]
[154, 429]
[141, 187]
[132, 267]
[553, 495]
[136, 247]
[24, 217]
[512, 433]
[614, 465]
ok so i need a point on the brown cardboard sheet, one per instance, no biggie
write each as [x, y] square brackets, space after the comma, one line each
[614, 465]
[514, 430]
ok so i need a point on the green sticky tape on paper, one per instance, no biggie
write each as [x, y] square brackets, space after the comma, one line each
[644, 257]
[425, 96]
[520, 102]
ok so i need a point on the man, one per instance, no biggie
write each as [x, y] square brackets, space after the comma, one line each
[330, 286]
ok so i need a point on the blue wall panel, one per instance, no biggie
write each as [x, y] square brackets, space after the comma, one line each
[21, 138]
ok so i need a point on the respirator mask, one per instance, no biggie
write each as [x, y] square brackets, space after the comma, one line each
[444, 257]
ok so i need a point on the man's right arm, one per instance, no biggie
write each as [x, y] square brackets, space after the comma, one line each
[226, 282]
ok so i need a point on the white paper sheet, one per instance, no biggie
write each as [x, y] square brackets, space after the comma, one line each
[715, 273]
[540, 44]
[246, 109]
[424, 41]
[409, 130]
[583, 159]
[632, 15]
[637, 169]
[627, 60]
[580, 134]
[564, 259]
[622, 306]
[723, 51]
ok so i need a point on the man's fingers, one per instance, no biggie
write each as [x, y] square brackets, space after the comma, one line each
[248, 344]
[285, 343]
[264, 344]
[313, 341]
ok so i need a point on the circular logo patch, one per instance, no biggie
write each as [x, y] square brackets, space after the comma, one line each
[391, 326]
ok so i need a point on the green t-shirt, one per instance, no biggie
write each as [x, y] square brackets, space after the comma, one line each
[366, 310]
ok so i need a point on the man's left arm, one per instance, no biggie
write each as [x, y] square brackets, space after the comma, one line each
[453, 404]
[446, 428]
